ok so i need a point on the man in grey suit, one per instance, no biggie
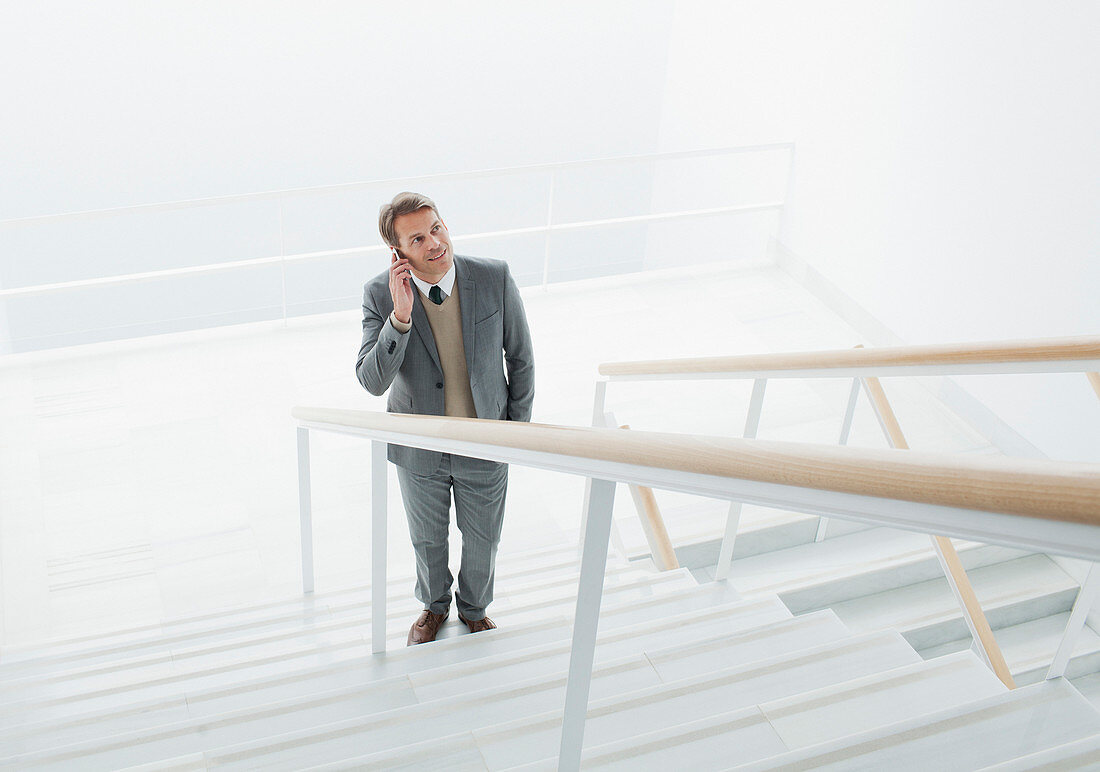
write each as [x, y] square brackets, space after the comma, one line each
[447, 335]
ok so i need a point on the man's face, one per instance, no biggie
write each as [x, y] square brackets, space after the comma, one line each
[423, 240]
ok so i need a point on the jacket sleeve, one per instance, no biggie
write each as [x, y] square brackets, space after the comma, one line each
[519, 357]
[382, 349]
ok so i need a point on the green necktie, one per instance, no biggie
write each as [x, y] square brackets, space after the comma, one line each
[436, 294]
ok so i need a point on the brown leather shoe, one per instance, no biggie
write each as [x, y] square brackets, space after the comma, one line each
[477, 625]
[425, 627]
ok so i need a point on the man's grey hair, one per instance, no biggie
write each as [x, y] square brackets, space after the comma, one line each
[402, 203]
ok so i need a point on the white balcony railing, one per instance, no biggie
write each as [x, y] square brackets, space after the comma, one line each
[286, 258]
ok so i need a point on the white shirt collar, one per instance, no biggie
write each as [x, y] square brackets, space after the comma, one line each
[446, 284]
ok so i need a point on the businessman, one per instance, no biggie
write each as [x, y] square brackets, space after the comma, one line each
[446, 335]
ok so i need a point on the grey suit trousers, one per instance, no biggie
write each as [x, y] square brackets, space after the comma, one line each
[479, 490]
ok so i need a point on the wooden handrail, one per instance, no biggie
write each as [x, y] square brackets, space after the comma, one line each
[1094, 379]
[1036, 488]
[1070, 349]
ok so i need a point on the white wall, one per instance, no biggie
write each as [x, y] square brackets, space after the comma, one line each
[119, 103]
[947, 175]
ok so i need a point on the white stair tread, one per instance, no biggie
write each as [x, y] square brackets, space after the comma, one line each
[1089, 686]
[353, 697]
[714, 742]
[967, 737]
[1079, 755]
[715, 623]
[1029, 648]
[455, 753]
[230, 690]
[228, 741]
[192, 762]
[522, 567]
[650, 710]
[344, 738]
[280, 673]
[276, 651]
[683, 660]
[807, 576]
[299, 612]
[1034, 580]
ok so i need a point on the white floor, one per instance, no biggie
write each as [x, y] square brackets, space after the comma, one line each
[152, 478]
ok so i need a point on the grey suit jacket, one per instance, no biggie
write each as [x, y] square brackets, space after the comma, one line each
[494, 334]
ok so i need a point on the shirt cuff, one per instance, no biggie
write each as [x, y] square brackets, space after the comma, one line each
[401, 327]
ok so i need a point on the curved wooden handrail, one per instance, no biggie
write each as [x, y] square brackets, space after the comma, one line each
[1071, 349]
[1035, 488]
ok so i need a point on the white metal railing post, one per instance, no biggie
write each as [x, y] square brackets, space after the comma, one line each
[850, 413]
[549, 229]
[1086, 598]
[379, 501]
[304, 509]
[585, 623]
[845, 433]
[733, 518]
[599, 399]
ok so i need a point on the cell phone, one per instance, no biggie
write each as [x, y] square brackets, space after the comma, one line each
[398, 255]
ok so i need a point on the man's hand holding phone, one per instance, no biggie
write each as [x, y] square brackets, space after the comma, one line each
[401, 289]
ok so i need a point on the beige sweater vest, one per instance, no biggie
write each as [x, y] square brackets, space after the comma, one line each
[445, 320]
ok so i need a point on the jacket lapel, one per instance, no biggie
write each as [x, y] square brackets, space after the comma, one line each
[467, 300]
[423, 328]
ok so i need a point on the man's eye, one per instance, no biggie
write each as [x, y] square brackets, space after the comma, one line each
[435, 229]
[416, 240]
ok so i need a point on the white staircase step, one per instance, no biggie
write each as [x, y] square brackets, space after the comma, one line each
[350, 698]
[281, 652]
[928, 615]
[289, 749]
[1089, 686]
[233, 690]
[874, 701]
[967, 737]
[823, 574]
[618, 612]
[652, 710]
[716, 742]
[302, 612]
[1080, 755]
[624, 605]
[790, 635]
[519, 567]
[682, 660]
[285, 745]
[715, 623]
[192, 762]
[455, 753]
[1029, 648]
[706, 743]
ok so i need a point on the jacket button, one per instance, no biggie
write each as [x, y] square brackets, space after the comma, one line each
[439, 385]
